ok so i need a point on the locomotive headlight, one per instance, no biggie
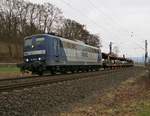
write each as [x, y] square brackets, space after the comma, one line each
[39, 58]
[27, 60]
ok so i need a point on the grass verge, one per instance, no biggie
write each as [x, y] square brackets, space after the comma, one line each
[9, 69]
[144, 108]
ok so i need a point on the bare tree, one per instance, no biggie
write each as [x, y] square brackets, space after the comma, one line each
[52, 16]
[19, 18]
[94, 40]
[74, 30]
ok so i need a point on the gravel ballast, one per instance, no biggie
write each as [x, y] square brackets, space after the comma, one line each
[50, 100]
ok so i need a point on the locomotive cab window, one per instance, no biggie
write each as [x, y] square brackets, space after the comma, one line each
[28, 42]
[39, 41]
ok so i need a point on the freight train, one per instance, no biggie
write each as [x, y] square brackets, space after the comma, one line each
[50, 53]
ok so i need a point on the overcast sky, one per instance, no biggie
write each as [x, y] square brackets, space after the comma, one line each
[126, 23]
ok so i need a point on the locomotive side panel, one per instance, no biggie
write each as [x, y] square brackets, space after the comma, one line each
[80, 54]
[56, 55]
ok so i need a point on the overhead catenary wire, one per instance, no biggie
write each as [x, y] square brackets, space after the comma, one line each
[86, 16]
[111, 19]
[93, 22]
[108, 18]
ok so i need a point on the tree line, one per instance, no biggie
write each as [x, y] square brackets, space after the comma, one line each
[19, 18]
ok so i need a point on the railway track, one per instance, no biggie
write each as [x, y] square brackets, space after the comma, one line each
[44, 76]
[19, 83]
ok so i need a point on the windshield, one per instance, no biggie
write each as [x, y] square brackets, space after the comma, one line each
[39, 41]
[29, 42]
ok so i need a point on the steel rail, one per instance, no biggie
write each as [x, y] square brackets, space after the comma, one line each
[37, 82]
[36, 76]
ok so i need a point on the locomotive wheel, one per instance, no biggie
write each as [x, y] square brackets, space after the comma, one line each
[87, 70]
[40, 73]
[96, 69]
[72, 71]
[53, 72]
[63, 71]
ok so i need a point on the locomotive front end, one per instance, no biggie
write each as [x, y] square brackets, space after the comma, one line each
[34, 54]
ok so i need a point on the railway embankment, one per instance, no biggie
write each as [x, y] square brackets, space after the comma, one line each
[63, 97]
[130, 98]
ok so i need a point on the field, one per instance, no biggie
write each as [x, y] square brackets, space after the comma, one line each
[9, 71]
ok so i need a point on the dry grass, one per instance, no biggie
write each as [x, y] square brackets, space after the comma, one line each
[132, 98]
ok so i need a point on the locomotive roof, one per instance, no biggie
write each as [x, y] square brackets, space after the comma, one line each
[63, 39]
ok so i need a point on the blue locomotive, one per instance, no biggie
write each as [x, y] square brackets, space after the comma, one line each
[45, 52]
